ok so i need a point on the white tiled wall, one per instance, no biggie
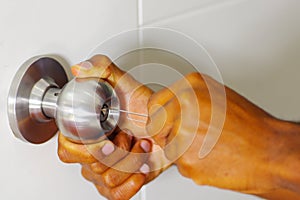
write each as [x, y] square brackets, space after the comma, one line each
[71, 29]
[255, 43]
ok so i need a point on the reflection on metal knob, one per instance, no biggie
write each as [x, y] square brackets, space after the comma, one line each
[41, 101]
[82, 110]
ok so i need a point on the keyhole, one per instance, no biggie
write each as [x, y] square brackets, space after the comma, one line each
[104, 112]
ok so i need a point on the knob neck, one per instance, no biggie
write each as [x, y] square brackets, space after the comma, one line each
[49, 104]
[43, 100]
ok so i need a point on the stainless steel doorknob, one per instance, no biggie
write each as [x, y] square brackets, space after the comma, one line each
[41, 101]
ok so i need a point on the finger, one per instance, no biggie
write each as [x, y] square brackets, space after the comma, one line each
[104, 190]
[163, 96]
[70, 152]
[185, 126]
[98, 66]
[123, 144]
[172, 142]
[161, 121]
[129, 188]
[102, 67]
[123, 140]
[125, 191]
[130, 164]
[89, 175]
[105, 68]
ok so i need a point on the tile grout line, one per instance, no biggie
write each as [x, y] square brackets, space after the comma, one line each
[140, 32]
[140, 13]
[140, 23]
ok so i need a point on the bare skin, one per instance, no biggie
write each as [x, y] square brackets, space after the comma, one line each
[255, 154]
[109, 175]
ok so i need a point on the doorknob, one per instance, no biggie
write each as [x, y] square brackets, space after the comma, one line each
[42, 100]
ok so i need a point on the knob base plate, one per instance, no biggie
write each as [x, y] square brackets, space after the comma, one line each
[23, 125]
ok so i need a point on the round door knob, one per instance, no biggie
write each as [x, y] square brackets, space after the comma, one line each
[41, 101]
[87, 110]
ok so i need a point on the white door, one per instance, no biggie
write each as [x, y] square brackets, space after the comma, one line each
[255, 43]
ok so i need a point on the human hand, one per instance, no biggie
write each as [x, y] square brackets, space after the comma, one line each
[244, 158]
[133, 96]
[117, 168]
[121, 166]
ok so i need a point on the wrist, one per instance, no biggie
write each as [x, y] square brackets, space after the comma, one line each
[285, 155]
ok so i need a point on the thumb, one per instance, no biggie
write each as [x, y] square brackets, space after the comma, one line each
[101, 66]
[161, 120]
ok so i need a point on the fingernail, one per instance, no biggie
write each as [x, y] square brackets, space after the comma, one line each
[108, 149]
[145, 145]
[145, 169]
[86, 65]
[75, 70]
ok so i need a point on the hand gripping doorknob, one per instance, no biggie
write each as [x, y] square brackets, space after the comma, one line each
[41, 101]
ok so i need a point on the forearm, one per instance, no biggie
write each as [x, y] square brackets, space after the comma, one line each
[286, 170]
[279, 143]
[281, 194]
[269, 168]
[255, 154]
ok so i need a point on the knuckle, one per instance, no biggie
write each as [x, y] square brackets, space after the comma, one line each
[152, 101]
[197, 80]
[110, 180]
[193, 75]
[98, 167]
[193, 79]
[117, 194]
[186, 96]
[88, 175]
[102, 57]
[63, 155]
[128, 189]
[100, 60]
[102, 190]
[85, 173]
